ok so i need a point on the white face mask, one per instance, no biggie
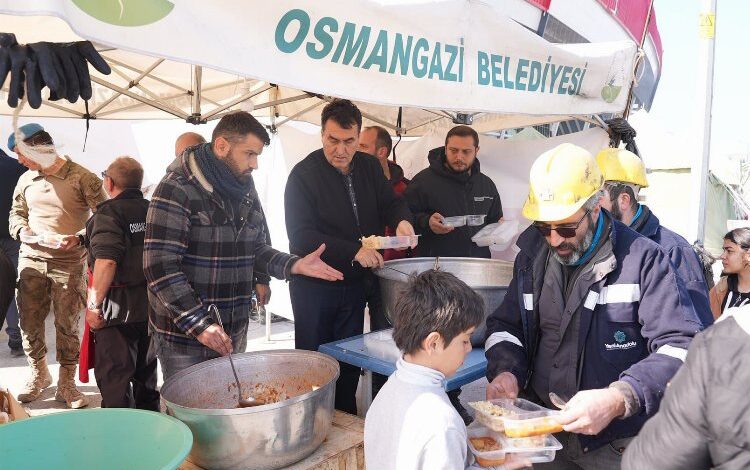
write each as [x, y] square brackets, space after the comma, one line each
[42, 155]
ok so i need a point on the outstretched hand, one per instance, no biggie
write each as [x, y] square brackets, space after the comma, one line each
[312, 266]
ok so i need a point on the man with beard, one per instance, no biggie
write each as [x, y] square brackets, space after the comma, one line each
[624, 176]
[205, 235]
[594, 313]
[453, 186]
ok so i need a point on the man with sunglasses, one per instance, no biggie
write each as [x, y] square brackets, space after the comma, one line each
[624, 176]
[594, 314]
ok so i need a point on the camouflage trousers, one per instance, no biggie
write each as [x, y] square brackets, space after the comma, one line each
[41, 286]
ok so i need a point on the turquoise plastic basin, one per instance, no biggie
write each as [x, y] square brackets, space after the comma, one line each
[110, 438]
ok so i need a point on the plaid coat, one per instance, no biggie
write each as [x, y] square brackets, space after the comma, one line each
[194, 255]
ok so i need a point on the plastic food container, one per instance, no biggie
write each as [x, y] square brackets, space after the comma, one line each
[490, 413]
[539, 449]
[456, 221]
[517, 418]
[29, 238]
[529, 419]
[475, 220]
[51, 240]
[382, 243]
[486, 458]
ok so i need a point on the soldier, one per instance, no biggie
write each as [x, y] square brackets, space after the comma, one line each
[51, 204]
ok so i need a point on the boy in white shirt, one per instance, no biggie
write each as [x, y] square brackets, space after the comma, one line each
[411, 424]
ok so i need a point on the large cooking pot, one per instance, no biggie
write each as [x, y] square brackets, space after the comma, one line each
[271, 436]
[487, 277]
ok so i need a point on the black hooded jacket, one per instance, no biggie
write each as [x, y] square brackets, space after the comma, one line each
[438, 189]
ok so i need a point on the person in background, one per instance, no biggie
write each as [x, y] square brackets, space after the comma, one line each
[117, 307]
[703, 419]
[594, 313]
[624, 175]
[10, 172]
[453, 185]
[51, 204]
[188, 139]
[376, 141]
[205, 236]
[337, 196]
[733, 289]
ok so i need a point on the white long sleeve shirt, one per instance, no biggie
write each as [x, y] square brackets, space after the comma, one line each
[412, 425]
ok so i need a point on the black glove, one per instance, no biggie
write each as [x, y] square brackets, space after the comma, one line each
[18, 56]
[87, 51]
[49, 65]
[34, 82]
[6, 41]
[67, 55]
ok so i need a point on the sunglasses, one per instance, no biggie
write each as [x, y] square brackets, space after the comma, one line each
[104, 174]
[565, 231]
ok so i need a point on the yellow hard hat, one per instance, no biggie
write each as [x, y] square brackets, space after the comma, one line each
[561, 181]
[623, 166]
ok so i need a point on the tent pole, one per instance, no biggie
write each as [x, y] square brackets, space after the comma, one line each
[297, 114]
[197, 83]
[706, 90]
[133, 83]
[235, 101]
[629, 102]
[136, 97]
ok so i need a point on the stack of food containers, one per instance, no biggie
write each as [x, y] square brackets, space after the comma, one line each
[513, 430]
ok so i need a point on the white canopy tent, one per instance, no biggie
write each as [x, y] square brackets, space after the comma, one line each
[409, 65]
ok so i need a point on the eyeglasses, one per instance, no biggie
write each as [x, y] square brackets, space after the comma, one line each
[565, 231]
[104, 174]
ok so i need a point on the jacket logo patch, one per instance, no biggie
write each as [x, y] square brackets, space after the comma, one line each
[482, 198]
[620, 342]
[138, 227]
[620, 336]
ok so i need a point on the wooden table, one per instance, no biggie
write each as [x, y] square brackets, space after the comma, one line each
[343, 449]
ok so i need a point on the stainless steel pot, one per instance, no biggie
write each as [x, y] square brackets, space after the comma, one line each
[489, 278]
[271, 436]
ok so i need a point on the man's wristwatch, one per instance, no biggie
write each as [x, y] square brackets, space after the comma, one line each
[81, 240]
[93, 306]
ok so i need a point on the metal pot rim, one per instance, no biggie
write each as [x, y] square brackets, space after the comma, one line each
[255, 409]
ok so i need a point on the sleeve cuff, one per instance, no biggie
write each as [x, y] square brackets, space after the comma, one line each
[632, 404]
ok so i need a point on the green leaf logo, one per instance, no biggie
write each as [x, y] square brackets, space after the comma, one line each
[126, 12]
[610, 93]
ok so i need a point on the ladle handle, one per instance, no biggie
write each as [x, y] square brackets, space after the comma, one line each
[231, 362]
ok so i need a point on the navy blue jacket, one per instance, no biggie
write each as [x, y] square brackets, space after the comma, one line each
[685, 260]
[636, 324]
[10, 171]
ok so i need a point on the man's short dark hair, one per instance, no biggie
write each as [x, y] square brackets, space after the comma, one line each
[615, 189]
[126, 173]
[434, 301]
[463, 131]
[237, 125]
[41, 138]
[343, 112]
[382, 138]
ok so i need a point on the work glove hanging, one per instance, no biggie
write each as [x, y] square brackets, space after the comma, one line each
[61, 67]
[6, 41]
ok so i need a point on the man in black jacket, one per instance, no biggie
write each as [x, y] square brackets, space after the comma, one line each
[453, 186]
[117, 307]
[337, 196]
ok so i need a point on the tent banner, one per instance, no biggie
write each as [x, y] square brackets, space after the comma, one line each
[458, 55]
